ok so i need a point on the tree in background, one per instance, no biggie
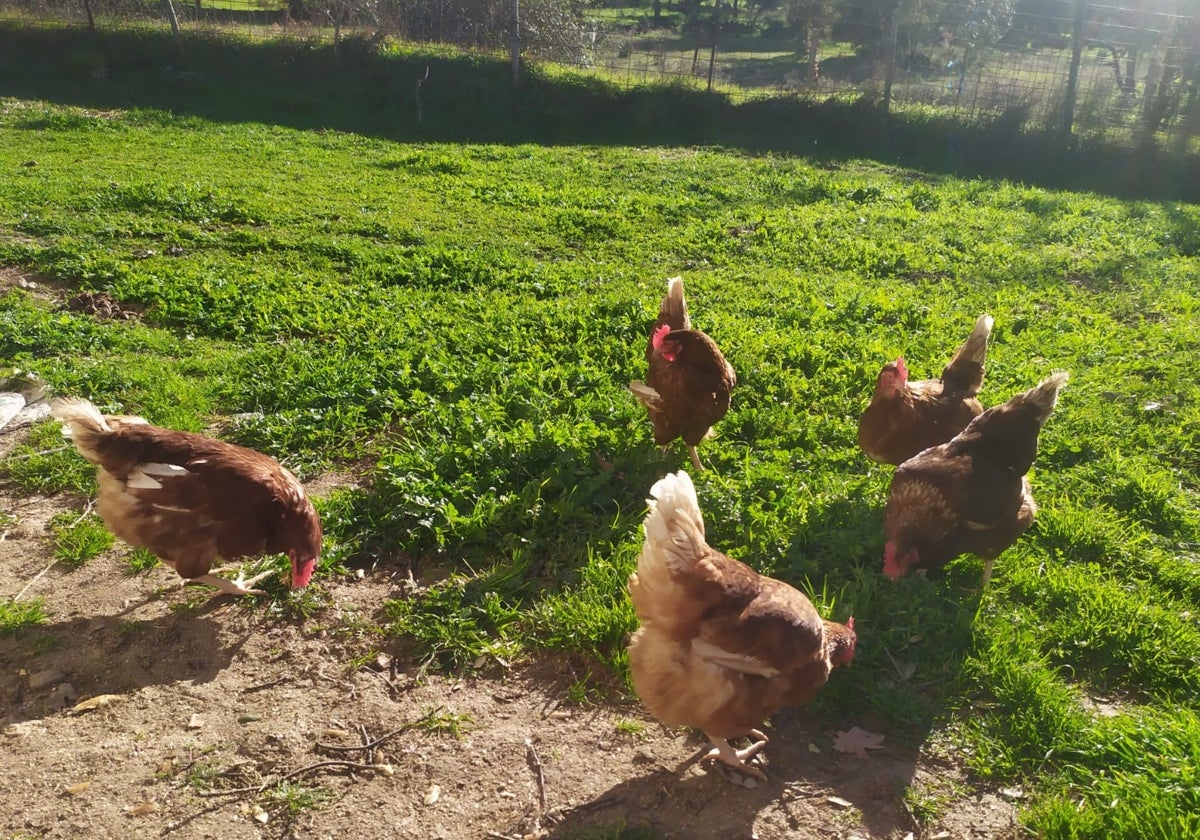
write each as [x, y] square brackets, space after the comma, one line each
[811, 19]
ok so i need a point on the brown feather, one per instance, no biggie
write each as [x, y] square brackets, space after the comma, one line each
[191, 499]
[900, 422]
[970, 495]
[692, 379]
[720, 646]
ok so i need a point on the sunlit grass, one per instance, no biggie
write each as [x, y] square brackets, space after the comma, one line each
[456, 323]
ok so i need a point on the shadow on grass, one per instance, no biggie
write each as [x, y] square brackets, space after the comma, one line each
[301, 84]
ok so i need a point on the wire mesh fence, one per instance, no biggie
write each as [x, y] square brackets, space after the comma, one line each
[1099, 73]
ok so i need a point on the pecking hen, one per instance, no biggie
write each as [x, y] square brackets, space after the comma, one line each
[720, 646]
[191, 499]
[968, 496]
[905, 417]
[689, 382]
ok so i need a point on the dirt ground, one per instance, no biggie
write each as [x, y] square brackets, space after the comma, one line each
[202, 694]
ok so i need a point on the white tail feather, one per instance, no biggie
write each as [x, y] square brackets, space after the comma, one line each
[674, 526]
[78, 413]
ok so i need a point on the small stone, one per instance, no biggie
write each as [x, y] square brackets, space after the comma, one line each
[196, 721]
[433, 794]
[75, 790]
[750, 782]
[142, 809]
[45, 679]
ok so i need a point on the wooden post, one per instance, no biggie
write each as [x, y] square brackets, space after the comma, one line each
[893, 34]
[1073, 77]
[171, 16]
[712, 55]
[515, 46]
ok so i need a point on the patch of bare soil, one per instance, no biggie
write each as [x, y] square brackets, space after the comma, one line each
[207, 694]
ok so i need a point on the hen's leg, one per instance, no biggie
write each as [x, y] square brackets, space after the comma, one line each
[987, 572]
[695, 458]
[737, 758]
[237, 586]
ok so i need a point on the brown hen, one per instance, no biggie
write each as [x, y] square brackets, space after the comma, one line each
[689, 382]
[720, 646]
[191, 499]
[968, 496]
[905, 417]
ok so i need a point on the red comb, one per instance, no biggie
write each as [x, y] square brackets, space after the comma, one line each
[850, 623]
[901, 368]
[660, 333]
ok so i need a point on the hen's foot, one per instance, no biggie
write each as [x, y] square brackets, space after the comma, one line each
[737, 758]
[695, 459]
[237, 586]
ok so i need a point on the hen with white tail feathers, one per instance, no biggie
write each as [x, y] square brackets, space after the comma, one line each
[720, 646]
[192, 499]
[688, 383]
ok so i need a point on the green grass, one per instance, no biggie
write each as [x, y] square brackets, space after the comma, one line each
[458, 322]
[79, 538]
[15, 617]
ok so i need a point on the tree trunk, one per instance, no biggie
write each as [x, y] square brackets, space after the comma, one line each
[87, 7]
[893, 34]
[813, 42]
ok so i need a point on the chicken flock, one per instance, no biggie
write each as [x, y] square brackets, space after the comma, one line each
[719, 647]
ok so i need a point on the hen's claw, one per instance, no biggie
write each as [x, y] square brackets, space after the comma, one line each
[726, 754]
[237, 586]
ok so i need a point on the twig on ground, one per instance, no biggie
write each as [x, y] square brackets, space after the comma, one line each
[266, 685]
[535, 764]
[498, 836]
[320, 765]
[35, 454]
[38, 576]
[372, 744]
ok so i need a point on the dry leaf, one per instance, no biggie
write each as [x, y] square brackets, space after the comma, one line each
[857, 741]
[433, 794]
[813, 748]
[95, 702]
[142, 809]
[75, 790]
[841, 803]
[386, 769]
[260, 815]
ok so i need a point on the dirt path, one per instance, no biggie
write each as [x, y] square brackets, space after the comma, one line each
[207, 694]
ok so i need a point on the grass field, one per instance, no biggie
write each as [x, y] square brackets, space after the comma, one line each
[457, 322]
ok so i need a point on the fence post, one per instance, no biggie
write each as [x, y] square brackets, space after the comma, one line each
[712, 56]
[1073, 77]
[173, 18]
[515, 46]
[893, 34]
